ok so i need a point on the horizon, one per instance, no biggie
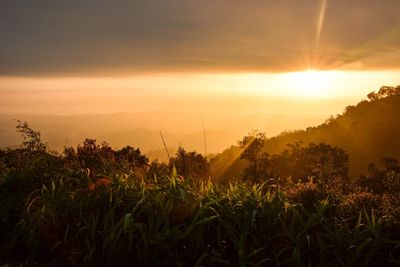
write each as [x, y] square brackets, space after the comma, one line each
[199, 133]
[267, 65]
[93, 95]
[176, 139]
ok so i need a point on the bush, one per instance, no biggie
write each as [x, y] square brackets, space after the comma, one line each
[306, 193]
[354, 203]
[94, 208]
[390, 208]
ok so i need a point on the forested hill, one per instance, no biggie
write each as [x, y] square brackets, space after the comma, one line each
[368, 132]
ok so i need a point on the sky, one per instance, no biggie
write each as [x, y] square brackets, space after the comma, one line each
[122, 37]
[73, 57]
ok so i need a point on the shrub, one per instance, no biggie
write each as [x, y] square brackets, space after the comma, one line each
[306, 193]
[360, 201]
[390, 208]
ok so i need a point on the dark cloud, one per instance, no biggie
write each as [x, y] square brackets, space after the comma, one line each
[120, 37]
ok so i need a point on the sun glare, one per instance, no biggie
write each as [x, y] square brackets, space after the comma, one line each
[311, 83]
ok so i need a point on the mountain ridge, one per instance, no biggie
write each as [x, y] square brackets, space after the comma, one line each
[368, 132]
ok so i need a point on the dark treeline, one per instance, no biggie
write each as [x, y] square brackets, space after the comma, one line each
[98, 206]
[367, 131]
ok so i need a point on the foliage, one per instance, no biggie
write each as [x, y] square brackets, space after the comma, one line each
[360, 201]
[97, 206]
[252, 145]
[191, 165]
[384, 178]
[367, 132]
[305, 193]
[103, 160]
[32, 139]
[384, 91]
[122, 221]
[327, 165]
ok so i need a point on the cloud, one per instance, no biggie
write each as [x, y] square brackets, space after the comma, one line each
[123, 37]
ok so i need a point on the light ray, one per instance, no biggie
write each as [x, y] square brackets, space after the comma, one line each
[320, 22]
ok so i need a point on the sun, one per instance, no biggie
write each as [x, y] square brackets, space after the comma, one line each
[310, 83]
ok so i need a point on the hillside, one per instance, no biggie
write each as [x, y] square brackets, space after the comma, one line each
[368, 132]
[97, 206]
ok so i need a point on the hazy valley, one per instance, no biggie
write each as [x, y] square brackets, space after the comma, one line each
[142, 129]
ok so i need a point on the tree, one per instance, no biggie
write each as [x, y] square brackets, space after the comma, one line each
[384, 91]
[325, 163]
[382, 178]
[252, 146]
[132, 156]
[372, 96]
[32, 139]
[191, 165]
[105, 159]
[129, 159]
[94, 156]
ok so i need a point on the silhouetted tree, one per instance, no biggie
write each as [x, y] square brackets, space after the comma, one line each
[191, 165]
[372, 96]
[158, 171]
[93, 156]
[390, 164]
[384, 178]
[384, 91]
[131, 156]
[326, 164]
[252, 145]
[104, 159]
[32, 139]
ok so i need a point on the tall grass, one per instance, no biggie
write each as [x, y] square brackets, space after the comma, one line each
[122, 220]
[100, 207]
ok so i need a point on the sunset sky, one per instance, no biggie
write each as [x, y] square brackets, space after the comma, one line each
[72, 57]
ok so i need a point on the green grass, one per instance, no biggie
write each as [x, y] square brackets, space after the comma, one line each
[100, 207]
[175, 223]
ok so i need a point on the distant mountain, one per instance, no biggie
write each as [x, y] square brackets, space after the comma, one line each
[368, 131]
[148, 141]
[120, 129]
[142, 129]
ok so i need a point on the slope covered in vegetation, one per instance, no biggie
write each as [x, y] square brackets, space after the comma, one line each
[96, 206]
[368, 132]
